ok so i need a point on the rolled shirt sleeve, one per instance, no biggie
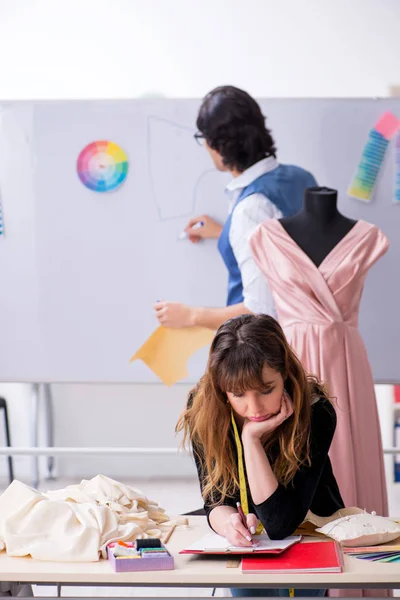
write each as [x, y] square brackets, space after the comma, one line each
[246, 216]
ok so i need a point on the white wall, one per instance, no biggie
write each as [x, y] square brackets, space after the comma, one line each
[177, 48]
[125, 48]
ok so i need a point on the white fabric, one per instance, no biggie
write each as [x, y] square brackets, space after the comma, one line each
[360, 530]
[246, 216]
[76, 523]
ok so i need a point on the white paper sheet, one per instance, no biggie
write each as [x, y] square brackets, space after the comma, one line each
[213, 542]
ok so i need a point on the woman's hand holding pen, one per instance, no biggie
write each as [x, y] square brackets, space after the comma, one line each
[237, 533]
[209, 229]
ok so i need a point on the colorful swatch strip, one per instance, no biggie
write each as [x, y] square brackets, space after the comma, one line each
[397, 169]
[388, 552]
[386, 557]
[1, 217]
[363, 183]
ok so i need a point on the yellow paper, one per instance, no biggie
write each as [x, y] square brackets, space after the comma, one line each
[167, 351]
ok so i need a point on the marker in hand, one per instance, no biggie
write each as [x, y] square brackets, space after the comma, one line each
[243, 519]
[184, 235]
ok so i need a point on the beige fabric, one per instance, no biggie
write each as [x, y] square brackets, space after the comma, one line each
[75, 523]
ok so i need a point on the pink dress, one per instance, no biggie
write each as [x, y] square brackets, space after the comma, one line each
[318, 310]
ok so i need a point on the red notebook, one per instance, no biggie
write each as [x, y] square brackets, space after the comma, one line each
[306, 557]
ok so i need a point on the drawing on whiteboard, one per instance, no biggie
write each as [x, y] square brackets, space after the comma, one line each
[169, 147]
[102, 166]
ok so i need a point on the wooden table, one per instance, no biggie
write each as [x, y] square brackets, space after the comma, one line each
[195, 571]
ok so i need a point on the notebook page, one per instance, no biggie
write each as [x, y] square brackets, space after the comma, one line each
[214, 542]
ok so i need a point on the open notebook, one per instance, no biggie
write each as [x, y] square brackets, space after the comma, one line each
[213, 543]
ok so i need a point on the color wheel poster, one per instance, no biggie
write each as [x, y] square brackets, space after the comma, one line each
[102, 166]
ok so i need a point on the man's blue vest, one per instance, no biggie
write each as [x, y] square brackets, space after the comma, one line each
[284, 187]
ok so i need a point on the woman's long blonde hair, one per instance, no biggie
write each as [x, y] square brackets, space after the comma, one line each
[241, 348]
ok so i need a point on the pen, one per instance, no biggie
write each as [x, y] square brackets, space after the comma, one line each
[184, 234]
[243, 519]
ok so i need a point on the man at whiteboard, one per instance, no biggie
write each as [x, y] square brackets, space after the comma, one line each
[232, 128]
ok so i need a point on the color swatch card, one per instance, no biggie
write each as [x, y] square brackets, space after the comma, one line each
[364, 181]
[1, 217]
[396, 197]
[389, 552]
[385, 557]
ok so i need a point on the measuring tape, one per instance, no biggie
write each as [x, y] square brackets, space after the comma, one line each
[242, 481]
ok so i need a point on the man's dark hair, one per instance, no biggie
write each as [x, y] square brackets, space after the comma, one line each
[232, 123]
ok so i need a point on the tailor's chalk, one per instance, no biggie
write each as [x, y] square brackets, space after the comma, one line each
[148, 543]
[119, 550]
[184, 235]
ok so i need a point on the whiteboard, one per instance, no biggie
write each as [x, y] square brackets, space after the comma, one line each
[80, 270]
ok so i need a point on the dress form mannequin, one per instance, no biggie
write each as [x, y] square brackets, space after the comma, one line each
[319, 227]
[316, 264]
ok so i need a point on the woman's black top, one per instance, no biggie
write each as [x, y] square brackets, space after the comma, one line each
[313, 487]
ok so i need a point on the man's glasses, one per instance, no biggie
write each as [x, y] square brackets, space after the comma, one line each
[199, 137]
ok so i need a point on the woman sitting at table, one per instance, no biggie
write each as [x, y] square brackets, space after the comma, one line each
[260, 429]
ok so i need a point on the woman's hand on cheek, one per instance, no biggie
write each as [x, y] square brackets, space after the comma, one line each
[257, 430]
